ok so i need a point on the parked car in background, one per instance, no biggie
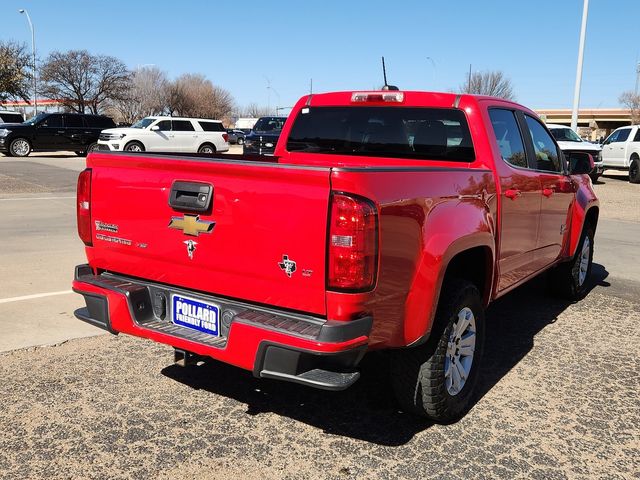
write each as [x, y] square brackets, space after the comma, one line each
[167, 134]
[570, 142]
[236, 136]
[263, 138]
[621, 151]
[53, 132]
[9, 116]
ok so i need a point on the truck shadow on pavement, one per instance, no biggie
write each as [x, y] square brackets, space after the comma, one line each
[368, 411]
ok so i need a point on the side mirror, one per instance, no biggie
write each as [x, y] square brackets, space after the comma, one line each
[155, 128]
[580, 163]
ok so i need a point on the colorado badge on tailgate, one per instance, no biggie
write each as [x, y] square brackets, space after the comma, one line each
[195, 314]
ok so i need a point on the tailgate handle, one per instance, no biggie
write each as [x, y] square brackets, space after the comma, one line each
[193, 196]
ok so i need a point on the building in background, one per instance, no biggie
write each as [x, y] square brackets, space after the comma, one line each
[593, 123]
[26, 108]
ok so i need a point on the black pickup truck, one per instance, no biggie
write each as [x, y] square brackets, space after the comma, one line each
[263, 138]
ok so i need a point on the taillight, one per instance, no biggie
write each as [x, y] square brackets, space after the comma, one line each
[353, 244]
[225, 136]
[83, 206]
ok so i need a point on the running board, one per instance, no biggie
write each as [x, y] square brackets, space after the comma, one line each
[317, 378]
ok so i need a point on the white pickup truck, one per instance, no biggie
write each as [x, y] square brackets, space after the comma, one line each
[621, 151]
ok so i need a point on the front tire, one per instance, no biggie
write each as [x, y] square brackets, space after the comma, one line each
[569, 279]
[19, 147]
[134, 146]
[437, 379]
[634, 170]
[240, 141]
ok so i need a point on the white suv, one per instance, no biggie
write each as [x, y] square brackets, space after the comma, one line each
[167, 134]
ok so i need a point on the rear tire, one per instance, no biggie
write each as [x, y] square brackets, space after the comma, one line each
[207, 149]
[634, 170]
[19, 147]
[134, 147]
[437, 379]
[569, 280]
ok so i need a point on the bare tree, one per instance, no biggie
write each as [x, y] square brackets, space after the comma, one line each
[83, 81]
[254, 111]
[16, 71]
[493, 83]
[631, 100]
[193, 95]
[148, 94]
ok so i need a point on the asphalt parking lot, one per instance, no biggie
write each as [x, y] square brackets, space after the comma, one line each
[559, 391]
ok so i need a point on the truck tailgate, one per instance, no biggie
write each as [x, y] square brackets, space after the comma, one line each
[264, 214]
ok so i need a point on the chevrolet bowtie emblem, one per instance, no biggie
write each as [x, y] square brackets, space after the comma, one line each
[191, 225]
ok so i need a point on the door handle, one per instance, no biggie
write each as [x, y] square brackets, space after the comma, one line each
[512, 193]
[547, 192]
[60, 131]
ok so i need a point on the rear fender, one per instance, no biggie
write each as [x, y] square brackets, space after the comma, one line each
[452, 227]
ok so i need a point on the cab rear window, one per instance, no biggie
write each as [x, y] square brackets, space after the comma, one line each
[396, 132]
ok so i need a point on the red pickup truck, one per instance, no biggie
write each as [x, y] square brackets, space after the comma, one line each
[385, 220]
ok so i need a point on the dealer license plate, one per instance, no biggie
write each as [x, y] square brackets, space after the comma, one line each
[196, 314]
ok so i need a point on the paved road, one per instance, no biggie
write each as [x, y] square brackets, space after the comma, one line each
[559, 394]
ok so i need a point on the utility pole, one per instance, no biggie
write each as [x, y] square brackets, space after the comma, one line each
[469, 82]
[637, 77]
[35, 73]
[576, 93]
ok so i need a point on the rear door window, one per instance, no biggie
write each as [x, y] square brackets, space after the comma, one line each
[73, 121]
[636, 138]
[182, 126]
[508, 136]
[394, 132]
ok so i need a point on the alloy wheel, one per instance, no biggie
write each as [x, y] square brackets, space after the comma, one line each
[20, 147]
[460, 350]
[583, 266]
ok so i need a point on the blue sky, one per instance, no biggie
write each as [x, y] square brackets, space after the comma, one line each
[241, 46]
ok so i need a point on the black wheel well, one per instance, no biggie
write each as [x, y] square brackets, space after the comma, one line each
[134, 141]
[207, 143]
[474, 265]
[635, 156]
[592, 217]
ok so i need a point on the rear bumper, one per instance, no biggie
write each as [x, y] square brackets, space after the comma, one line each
[270, 343]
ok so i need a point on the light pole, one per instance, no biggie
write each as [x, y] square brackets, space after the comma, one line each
[33, 46]
[576, 93]
[435, 73]
[637, 77]
[277, 95]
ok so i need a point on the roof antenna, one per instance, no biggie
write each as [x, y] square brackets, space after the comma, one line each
[310, 93]
[384, 74]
